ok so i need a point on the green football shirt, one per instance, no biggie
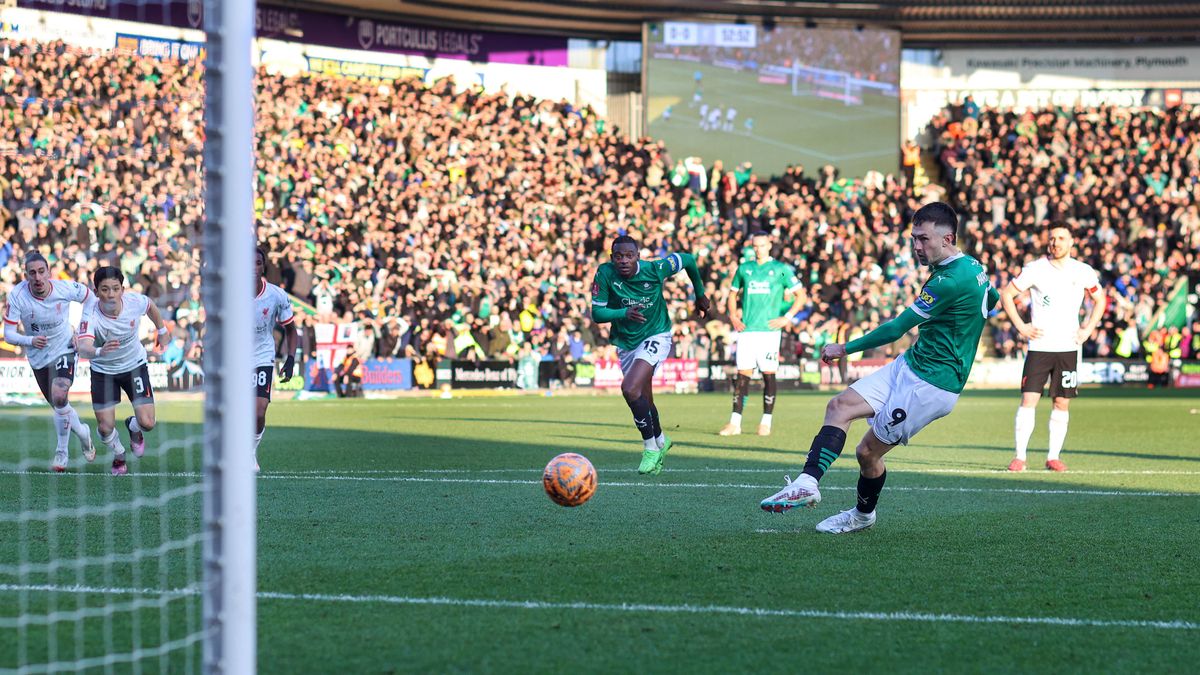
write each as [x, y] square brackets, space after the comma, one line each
[643, 290]
[762, 288]
[955, 303]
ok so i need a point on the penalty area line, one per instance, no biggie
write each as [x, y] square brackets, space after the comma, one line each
[643, 608]
[333, 477]
[734, 486]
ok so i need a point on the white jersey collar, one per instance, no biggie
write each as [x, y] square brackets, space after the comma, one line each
[955, 256]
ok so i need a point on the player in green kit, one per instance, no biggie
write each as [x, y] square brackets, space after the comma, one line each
[917, 388]
[761, 285]
[629, 293]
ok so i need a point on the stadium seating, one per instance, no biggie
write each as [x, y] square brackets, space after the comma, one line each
[458, 221]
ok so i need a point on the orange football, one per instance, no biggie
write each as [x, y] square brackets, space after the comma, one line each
[569, 479]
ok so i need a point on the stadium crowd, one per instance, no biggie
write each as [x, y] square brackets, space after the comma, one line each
[462, 223]
[1126, 181]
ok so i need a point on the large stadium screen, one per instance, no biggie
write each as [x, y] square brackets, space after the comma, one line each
[775, 94]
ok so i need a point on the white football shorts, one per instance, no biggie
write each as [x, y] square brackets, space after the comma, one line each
[904, 404]
[653, 350]
[758, 349]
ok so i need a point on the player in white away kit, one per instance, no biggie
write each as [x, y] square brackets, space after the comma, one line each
[714, 119]
[41, 305]
[1056, 284]
[119, 363]
[271, 307]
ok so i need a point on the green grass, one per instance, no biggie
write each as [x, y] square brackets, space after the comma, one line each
[407, 535]
[787, 129]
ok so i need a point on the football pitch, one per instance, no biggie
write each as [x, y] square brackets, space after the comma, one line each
[413, 536]
[787, 129]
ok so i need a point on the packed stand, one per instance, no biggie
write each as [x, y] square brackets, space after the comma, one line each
[100, 164]
[468, 224]
[1127, 182]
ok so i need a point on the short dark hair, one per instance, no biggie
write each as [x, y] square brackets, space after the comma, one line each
[940, 214]
[623, 239]
[104, 274]
[759, 233]
[33, 256]
[1059, 225]
[258, 250]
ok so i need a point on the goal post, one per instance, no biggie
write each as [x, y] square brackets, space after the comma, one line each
[229, 610]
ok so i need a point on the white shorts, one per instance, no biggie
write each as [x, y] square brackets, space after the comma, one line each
[758, 349]
[653, 350]
[904, 404]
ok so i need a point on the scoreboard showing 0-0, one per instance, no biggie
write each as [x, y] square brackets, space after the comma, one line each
[775, 94]
[689, 34]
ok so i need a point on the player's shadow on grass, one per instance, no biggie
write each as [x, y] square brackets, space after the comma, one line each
[1007, 450]
[790, 455]
[373, 461]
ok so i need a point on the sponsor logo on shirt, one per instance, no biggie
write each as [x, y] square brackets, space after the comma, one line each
[926, 300]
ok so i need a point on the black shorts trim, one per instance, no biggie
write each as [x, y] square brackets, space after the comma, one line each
[106, 389]
[1061, 368]
[264, 378]
[63, 366]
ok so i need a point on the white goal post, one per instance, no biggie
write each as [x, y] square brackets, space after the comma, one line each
[230, 644]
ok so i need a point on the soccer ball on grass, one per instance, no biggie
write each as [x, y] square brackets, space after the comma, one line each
[569, 479]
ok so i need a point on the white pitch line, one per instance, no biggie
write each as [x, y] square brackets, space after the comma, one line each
[746, 486]
[640, 608]
[623, 469]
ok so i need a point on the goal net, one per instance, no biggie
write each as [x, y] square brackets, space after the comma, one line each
[828, 84]
[103, 162]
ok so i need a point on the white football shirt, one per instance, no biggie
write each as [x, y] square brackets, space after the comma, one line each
[123, 328]
[47, 316]
[1056, 296]
[271, 306]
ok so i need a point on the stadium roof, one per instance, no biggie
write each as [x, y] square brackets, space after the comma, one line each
[923, 22]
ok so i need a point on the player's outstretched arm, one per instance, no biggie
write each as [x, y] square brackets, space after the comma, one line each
[13, 335]
[693, 271]
[887, 333]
